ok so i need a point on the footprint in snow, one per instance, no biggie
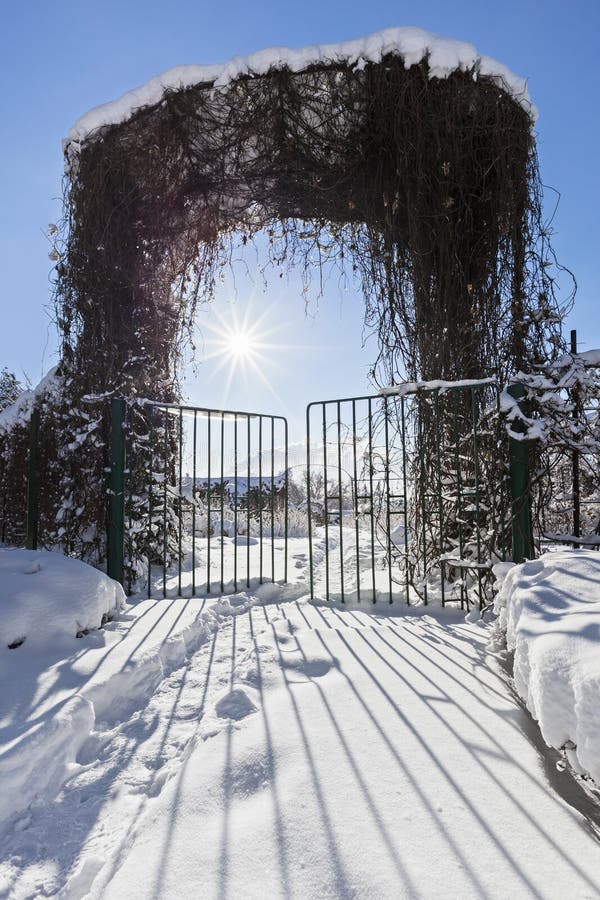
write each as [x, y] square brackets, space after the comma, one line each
[310, 668]
[236, 704]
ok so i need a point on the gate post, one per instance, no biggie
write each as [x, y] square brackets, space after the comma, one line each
[116, 509]
[577, 416]
[308, 507]
[522, 544]
[31, 540]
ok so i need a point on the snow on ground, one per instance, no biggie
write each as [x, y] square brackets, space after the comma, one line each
[47, 598]
[347, 563]
[47, 604]
[227, 564]
[550, 610]
[261, 745]
[444, 56]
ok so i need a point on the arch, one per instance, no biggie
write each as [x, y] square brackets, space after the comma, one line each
[406, 158]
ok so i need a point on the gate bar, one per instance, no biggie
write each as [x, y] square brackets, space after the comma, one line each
[171, 499]
[387, 488]
[116, 527]
[31, 542]
[519, 486]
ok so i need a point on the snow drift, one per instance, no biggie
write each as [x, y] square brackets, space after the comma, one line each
[550, 610]
[46, 598]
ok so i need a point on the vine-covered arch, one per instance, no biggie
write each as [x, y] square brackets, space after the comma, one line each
[406, 158]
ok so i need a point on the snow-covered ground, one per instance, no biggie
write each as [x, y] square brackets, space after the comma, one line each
[47, 599]
[349, 561]
[260, 745]
[550, 611]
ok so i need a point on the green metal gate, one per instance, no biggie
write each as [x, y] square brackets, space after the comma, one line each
[408, 494]
[198, 499]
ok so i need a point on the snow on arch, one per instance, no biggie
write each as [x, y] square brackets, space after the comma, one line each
[444, 56]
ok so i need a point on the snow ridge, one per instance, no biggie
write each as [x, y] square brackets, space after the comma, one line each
[35, 764]
[413, 45]
[549, 609]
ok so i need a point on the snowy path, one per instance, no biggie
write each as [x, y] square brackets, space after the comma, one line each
[309, 752]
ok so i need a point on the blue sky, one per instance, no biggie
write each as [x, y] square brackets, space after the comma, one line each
[58, 60]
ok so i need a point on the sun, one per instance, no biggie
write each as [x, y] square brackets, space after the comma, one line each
[241, 344]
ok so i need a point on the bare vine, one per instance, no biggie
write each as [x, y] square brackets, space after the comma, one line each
[427, 190]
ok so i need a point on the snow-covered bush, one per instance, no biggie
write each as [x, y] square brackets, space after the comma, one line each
[47, 599]
[15, 442]
[560, 416]
[10, 388]
[549, 615]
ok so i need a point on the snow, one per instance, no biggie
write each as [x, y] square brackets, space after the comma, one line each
[260, 745]
[444, 56]
[19, 412]
[47, 599]
[591, 540]
[589, 358]
[550, 610]
[411, 387]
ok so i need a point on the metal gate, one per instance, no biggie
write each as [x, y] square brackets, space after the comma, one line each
[408, 494]
[199, 499]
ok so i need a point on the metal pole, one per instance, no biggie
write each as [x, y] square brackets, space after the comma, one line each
[180, 505]
[286, 511]
[150, 496]
[440, 495]
[260, 499]
[308, 507]
[116, 522]
[325, 501]
[164, 499]
[31, 541]
[420, 404]
[248, 504]
[194, 495]
[356, 513]
[575, 456]
[235, 501]
[208, 517]
[405, 500]
[272, 498]
[522, 543]
[341, 507]
[459, 518]
[387, 498]
[222, 525]
[478, 525]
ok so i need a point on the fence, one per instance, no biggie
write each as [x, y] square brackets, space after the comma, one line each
[414, 500]
[201, 494]
[408, 493]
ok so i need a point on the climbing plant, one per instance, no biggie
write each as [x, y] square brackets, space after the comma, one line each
[424, 189]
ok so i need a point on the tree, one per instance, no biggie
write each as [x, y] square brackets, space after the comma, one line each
[10, 388]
